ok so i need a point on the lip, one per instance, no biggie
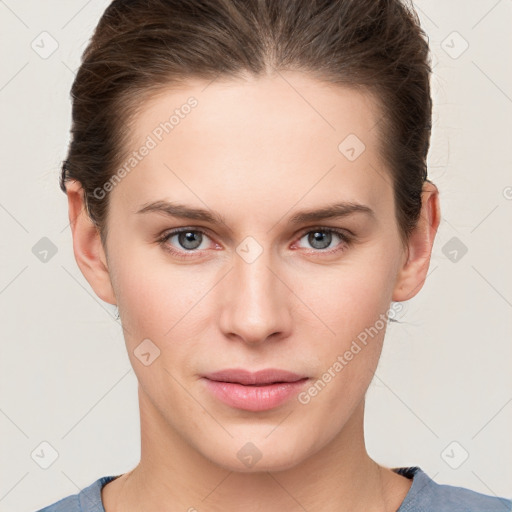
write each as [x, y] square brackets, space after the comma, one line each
[261, 377]
[254, 391]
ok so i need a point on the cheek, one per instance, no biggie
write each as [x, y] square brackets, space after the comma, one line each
[157, 304]
[354, 310]
[349, 299]
[154, 295]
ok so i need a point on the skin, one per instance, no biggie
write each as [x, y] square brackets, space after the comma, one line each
[256, 152]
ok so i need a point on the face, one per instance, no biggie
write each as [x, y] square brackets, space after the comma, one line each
[259, 285]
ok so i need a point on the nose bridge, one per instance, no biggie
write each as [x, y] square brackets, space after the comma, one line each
[254, 304]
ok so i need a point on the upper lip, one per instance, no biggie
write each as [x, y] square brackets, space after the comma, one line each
[246, 377]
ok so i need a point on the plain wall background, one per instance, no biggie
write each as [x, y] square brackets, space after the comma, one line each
[445, 374]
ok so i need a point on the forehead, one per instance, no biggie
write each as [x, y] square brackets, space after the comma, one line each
[279, 138]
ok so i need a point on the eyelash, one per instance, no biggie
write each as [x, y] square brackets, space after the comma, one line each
[164, 238]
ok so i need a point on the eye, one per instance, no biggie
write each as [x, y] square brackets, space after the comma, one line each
[189, 241]
[186, 240]
[321, 238]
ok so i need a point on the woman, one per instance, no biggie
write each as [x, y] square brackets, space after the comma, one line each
[247, 182]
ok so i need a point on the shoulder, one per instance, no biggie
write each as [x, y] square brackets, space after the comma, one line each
[427, 495]
[87, 500]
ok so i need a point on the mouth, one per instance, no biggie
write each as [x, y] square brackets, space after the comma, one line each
[254, 391]
[260, 378]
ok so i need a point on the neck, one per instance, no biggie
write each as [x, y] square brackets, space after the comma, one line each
[174, 476]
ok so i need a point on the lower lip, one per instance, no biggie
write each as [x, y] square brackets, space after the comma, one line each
[254, 398]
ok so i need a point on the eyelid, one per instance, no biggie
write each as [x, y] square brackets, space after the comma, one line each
[341, 231]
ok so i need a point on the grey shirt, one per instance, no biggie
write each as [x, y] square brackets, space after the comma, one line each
[425, 495]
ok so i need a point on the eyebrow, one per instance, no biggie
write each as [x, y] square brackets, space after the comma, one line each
[332, 211]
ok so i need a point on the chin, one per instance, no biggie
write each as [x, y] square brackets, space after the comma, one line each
[259, 455]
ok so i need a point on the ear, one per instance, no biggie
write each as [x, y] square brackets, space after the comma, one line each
[414, 270]
[87, 246]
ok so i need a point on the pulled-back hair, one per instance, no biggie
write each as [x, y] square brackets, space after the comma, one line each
[141, 47]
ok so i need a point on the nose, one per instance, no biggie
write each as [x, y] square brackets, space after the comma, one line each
[255, 301]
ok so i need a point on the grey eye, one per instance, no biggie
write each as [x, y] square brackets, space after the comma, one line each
[189, 239]
[320, 239]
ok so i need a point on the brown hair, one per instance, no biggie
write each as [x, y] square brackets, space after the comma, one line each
[143, 46]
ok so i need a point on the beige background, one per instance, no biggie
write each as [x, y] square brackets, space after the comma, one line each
[445, 376]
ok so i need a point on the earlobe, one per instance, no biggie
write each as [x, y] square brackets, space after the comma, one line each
[87, 247]
[414, 270]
